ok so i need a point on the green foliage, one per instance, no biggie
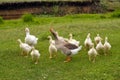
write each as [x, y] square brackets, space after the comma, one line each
[1, 20]
[55, 10]
[116, 14]
[110, 5]
[27, 18]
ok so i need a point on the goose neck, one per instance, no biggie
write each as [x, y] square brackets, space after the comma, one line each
[27, 33]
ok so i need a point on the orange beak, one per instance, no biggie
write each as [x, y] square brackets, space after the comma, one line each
[53, 33]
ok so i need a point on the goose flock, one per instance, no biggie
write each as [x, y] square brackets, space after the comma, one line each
[29, 46]
[67, 46]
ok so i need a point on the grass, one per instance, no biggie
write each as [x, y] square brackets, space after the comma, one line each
[16, 67]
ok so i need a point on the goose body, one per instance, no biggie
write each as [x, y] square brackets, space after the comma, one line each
[52, 48]
[88, 42]
[99, 47]
[30, 39]
[66, 48]
[25, 48]
[92, 53]
[97, 39]
[107, 46]
[35, 55]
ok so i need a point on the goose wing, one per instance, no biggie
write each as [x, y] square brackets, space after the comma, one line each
[70, 46]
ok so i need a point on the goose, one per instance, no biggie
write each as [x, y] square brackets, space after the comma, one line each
[51, 40]
[35, 55]
[73, 41]
[88, 41]
[97, 39]
[107, 46]
[66, 48]
[25, 48]
[99, 47]
[52, 48]
[30, 39]
[92, 53]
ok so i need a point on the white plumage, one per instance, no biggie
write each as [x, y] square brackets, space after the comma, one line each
[35, 55]
[88, 42]
[25, 48]
[107, 46]
[75, 51]
[73, 41]
[52, 48]
[99, 47]
[97, 39]
[30, 39]
[92, 53]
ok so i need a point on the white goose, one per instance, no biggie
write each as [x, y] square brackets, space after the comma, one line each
[88, 42]
[25, 48]
[107, 46]
[66, 48]
[52, 48]
[97, 39]
[35, 55]
[100, 47]
[92, 53]
[30, 39]
[73, 41]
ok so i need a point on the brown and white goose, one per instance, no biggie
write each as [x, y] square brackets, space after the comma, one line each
[66, 48]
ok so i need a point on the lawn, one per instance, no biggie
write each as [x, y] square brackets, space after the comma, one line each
[13, 66]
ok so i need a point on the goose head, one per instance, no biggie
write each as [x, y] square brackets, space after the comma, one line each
[98, 35]
[54, 33]
[26, 29]
[106, 38]
[19, 40]
[88, 35]
[33, 48]
[70, 34]
[49, 37]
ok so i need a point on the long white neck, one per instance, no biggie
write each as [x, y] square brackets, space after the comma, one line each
[20, 41]
[27, 33]
[50, 39]
[71, 37]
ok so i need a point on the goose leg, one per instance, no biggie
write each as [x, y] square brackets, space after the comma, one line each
[55, 54]
[22, 53]
[50, 56]
[93, 59]
[36, 61]
[26, 54]
[89, 58]
[68, 59]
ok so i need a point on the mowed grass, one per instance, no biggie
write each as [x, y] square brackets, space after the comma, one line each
[13, 66]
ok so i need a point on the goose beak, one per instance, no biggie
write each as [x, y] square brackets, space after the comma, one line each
[52, 30]
[53, 33]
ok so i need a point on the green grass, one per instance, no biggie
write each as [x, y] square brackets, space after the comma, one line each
[13, 66]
